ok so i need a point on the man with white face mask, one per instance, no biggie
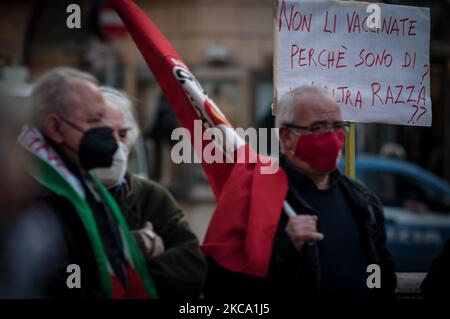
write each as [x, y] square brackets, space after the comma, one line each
[114, 175]
[171, 250]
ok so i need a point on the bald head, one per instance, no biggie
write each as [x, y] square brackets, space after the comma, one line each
[311, 108]
[304, 105]
[58, 90]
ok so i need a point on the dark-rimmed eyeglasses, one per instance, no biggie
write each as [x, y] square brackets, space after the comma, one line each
[341, 126]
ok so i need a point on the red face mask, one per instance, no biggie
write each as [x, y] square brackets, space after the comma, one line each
[322, 151]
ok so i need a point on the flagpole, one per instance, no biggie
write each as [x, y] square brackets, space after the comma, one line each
[350, 152]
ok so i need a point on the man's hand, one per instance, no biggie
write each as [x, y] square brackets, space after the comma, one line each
[155, 246]
[301, 229]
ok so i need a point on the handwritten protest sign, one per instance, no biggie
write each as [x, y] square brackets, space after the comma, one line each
[378, 75]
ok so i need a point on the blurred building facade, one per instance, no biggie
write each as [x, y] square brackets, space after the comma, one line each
[228, 45]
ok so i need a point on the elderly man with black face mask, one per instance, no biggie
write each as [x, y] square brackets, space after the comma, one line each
[74, 242]
[171, 250]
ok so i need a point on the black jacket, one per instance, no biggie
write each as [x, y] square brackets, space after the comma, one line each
[43, 241]
[299, 276]
[180, 271]
[38, 245]
[436, 285]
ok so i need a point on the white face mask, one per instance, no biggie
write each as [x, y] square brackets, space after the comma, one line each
[114, 175]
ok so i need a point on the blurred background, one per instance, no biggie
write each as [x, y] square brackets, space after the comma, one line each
[229, 47]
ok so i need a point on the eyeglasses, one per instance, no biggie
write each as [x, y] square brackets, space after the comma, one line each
[341, 126]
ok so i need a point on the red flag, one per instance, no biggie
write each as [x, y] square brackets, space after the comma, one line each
[242, 229]
[241, 233]
[182, 90]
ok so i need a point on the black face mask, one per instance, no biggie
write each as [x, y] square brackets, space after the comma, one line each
[97, 146]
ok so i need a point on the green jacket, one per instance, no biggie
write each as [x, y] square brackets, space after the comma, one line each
[181, 270]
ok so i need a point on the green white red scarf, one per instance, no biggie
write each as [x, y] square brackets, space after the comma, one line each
[47, 167]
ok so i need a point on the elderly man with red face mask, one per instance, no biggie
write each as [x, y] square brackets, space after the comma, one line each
[322, 251]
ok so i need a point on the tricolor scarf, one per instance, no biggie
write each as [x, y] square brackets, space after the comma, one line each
[47, 167]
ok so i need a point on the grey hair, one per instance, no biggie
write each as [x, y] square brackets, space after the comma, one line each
[125, 106]
[51, 93]
[285, 112]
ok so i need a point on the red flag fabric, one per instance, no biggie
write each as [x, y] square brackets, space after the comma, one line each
[175, 79]
[136, 287]
[249, 204]
[241, 233]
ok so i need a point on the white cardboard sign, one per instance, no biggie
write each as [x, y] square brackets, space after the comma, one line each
[378, 75]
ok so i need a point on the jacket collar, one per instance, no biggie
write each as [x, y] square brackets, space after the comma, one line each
[300, 179]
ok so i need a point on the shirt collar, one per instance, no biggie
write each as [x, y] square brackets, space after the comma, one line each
[122, 188]
[118, 189]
